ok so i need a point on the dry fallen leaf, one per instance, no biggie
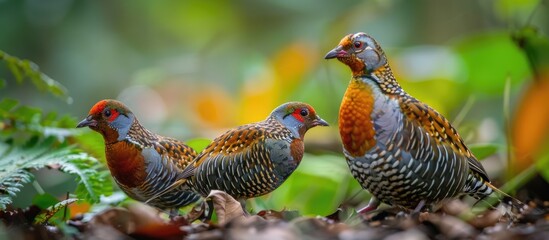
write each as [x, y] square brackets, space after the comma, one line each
[458, 208]
[318, 228]
[465, 213]
[226, 207]
[103, 232]
[452, 227]
[278, 215]
[198, 212]
[138, 220]
[255, 227]
[144, 214]
[489, 218]
[118, 218]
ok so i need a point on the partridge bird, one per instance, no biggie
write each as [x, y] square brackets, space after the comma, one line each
[142, 163]
[399, 149]
[255, 159]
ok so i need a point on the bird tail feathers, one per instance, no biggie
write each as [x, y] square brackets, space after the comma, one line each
[516, 205]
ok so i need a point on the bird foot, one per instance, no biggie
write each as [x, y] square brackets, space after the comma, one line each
[208, 210]
[372, 205]
[174, 212]
[419, 206]
[401, 215]
[367, 209]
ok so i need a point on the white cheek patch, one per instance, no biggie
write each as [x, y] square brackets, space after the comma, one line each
[362, 50]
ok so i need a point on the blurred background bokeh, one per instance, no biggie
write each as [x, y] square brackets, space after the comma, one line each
[192, 69]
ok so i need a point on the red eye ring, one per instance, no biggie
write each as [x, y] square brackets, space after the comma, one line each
[358, 44]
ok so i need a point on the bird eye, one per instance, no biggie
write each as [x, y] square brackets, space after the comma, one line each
[304, 112]
[358, 44]
[107, 113]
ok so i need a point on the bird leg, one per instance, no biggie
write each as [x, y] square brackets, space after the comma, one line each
[419, 206]
[372, 205]
[174, 212]
[208, 210]
[242, 202]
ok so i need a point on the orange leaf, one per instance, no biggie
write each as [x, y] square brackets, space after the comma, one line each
[530, 126]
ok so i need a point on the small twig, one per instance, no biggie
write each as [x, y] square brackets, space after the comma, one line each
[65, 210]
[464, 110]
[507, 125]
[38, 188]
[346, 201]
[520, 179]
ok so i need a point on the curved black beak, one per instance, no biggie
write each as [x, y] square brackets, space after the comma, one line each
[336, 52]
[87, 122]
[320, 122]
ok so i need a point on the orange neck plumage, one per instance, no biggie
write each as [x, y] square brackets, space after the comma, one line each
[355, 123]
[126, 163]
[297, 149]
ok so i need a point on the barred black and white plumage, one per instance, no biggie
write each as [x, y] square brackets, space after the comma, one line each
[398, 148]
[409, 164]
[255, 159]
[165, 158]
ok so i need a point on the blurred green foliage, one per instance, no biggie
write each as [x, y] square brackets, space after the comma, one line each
[192, 69]
[22, 69]
[482, 151]
[198, 144]
[535, 46]
[32, 140]
[55, 210]
[489, 60]
[319, 187]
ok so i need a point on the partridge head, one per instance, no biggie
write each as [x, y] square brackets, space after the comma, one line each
[360, 52]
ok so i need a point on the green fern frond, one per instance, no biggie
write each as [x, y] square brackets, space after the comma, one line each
[17, 161]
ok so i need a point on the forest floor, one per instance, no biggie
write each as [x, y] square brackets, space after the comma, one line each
[138, 221]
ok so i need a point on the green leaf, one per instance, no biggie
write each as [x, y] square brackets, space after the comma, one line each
[16, 163]
[23, 69]
[535, 46]
[44, 201]
[15, 71]
[93, 183]
[198, 144]
[2, 83]
[489, 60]
[54, 211]
[19, 123]
[482, 151]
[91, 142]
[317, 186]
[7, 104]
[28, 115]
[522, 178]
